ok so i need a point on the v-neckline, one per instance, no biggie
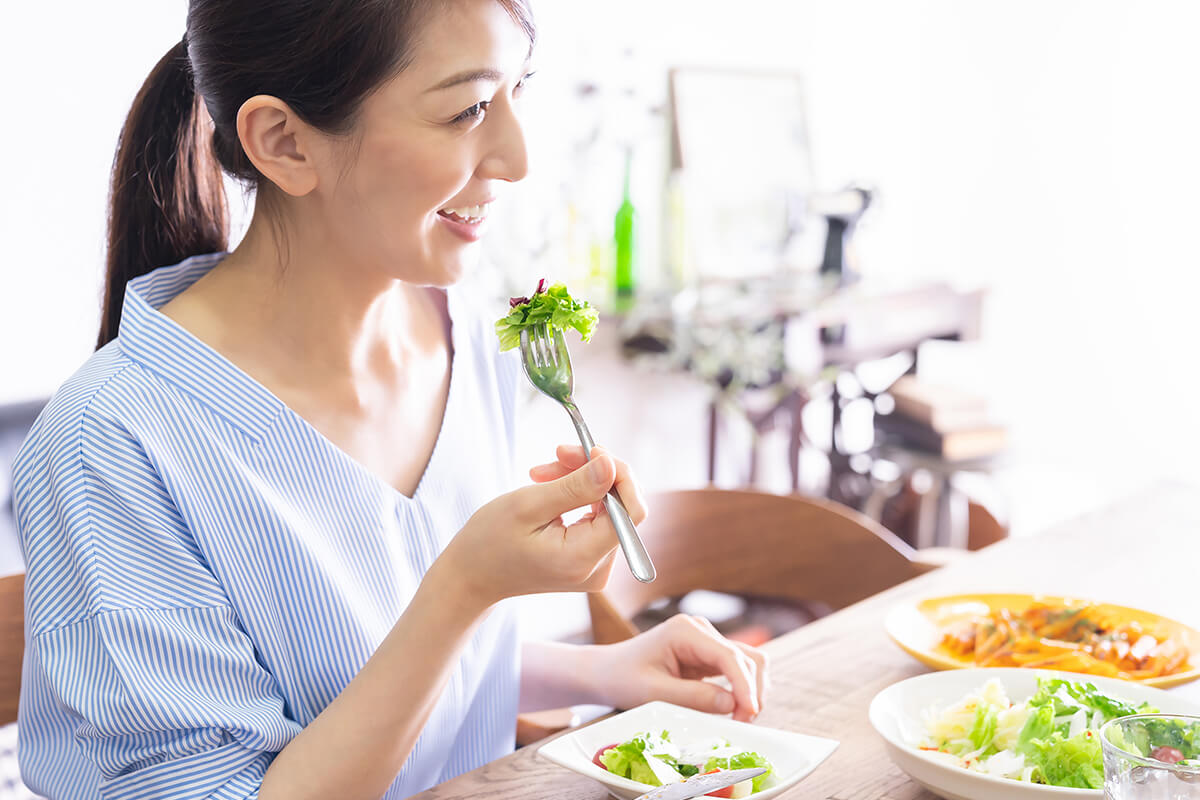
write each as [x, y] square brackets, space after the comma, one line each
[245, 401]
[438, 443]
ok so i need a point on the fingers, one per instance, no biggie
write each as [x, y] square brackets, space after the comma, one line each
[571, 457]
[760, 672]
[701, 646]
[700, 695]
[548, 500]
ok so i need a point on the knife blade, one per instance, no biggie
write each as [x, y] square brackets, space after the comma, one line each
[701, 784]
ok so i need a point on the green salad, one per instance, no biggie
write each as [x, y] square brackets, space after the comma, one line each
[550, 305]
[1051, 738]
[657, 760]
[1172, 741]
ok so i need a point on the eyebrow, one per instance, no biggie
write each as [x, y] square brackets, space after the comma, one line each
[473, 75]
[470, 76]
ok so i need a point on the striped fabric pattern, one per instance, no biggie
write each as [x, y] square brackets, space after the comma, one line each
[206, 571]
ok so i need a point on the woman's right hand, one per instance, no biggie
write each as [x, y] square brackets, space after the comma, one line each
[518, 543]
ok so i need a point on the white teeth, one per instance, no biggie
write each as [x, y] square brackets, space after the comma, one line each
[469, 213]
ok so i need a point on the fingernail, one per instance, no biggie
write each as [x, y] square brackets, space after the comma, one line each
[725, 703]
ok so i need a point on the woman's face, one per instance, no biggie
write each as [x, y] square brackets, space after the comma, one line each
[432, 148]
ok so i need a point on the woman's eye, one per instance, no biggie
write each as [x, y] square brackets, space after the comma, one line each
[474, 112]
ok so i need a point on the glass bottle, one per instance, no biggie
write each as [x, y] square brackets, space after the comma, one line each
[624, 235]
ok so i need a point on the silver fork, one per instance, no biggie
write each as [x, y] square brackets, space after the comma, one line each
[548, 367]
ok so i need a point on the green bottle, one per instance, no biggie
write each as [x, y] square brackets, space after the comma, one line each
[624, 229]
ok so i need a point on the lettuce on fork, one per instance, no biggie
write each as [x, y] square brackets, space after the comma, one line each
[551, 305]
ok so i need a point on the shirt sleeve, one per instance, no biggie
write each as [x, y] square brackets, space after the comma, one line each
[134, 647]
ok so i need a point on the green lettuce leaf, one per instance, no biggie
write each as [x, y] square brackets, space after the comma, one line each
[632, 760]
[1067, 697]
[984, 730]
[629, 761]
[1038, 727]
[746, 760]
[551, 306]
[1074, 762]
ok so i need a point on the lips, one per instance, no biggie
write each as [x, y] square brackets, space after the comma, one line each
[467, 223]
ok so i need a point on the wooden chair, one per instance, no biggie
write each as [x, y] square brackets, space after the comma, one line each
[790, 548]
[807, 551]
[12, 644]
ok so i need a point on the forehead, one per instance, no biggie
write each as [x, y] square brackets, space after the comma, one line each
[468, 34]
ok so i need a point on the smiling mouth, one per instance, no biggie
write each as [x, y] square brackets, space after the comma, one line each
[469, 215]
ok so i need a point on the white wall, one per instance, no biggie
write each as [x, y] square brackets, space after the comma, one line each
[1047, 149]
[69, 72]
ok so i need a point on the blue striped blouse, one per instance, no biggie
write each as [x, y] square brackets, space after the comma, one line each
[206, 571]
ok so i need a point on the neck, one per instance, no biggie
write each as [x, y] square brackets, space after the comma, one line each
[342, 319]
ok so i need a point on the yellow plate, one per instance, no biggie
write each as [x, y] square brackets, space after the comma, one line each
[917, 627]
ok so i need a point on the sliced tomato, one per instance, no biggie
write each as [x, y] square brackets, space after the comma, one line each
[726, 792]
[741, 789]
[596, 758]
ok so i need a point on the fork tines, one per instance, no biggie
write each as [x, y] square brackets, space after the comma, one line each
[545, 350]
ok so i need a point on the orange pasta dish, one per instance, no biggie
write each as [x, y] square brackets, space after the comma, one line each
[1074, 638]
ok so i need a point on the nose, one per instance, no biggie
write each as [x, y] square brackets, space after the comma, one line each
[507, 158]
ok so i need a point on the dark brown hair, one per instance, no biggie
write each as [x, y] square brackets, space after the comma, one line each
[321, 57]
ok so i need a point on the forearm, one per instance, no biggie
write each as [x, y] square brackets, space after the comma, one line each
[554, 675]
[358, 744]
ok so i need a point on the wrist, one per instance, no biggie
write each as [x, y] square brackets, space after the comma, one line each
[455, 589]
[597, 665]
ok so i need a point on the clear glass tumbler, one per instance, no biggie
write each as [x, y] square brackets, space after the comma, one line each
[1151, 757]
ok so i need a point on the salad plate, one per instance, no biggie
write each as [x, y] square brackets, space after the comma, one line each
[900, 715]
[792, 755]
[918, 628]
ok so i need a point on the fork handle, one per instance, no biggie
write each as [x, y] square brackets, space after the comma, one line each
[631, 544]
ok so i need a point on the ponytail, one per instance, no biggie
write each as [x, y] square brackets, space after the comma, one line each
[167, 200]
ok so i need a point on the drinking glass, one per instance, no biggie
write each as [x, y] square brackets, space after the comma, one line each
[1146, 757]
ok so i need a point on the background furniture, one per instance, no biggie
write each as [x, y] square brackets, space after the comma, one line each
[12, 644]
[827, 330]
[824, 675]
[808, 551]
[12, 649]
[15, 420]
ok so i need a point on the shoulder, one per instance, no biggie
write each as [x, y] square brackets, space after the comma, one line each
[91, 506]
[92, 439]
[108, 389]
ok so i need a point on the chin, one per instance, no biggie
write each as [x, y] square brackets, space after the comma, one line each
[456, 267]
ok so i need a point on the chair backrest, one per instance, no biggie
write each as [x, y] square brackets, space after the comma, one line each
[12, 644]
[755, 545]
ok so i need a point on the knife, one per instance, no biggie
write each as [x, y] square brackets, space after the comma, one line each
[701, 784]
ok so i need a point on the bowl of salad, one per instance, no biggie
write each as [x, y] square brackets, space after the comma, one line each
[659, 743]
[1009, 733]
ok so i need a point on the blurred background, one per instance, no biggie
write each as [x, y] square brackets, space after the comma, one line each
[931, 259]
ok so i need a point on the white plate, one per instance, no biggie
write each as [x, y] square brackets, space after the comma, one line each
[896, 715]
[794, 755]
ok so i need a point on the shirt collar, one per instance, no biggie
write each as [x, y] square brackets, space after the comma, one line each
[163, 346]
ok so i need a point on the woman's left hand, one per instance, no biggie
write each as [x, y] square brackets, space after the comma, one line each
[670, 661]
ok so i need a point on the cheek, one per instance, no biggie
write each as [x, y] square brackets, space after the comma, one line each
[412, 181]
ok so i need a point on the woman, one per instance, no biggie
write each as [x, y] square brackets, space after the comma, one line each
[267, 537]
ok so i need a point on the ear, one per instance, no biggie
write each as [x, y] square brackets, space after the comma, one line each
[278, 143]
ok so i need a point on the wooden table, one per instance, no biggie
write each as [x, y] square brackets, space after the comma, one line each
[1143, 552]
